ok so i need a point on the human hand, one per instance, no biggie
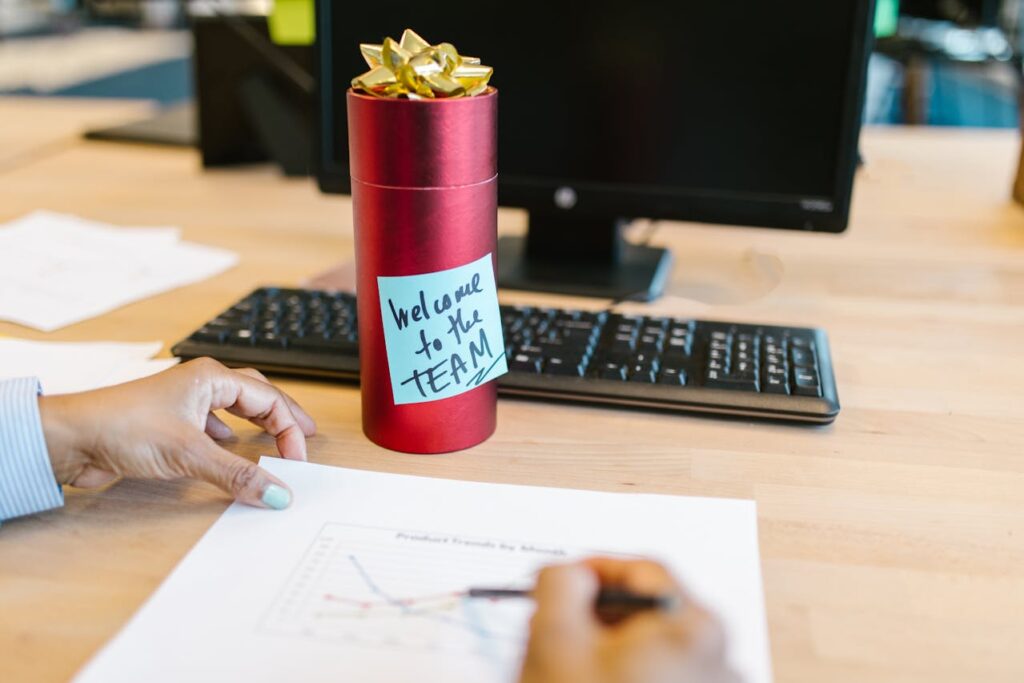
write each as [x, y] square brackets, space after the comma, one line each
[570, 643]
[164, 426]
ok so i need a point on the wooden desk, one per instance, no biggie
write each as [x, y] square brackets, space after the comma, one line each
[30, 127]
[892, 541]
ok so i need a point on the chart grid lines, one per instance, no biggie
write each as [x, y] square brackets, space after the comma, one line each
[408, 590]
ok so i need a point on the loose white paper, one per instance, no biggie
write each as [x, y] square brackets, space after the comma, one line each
[56, 269]
[363, 579]
[68, 367]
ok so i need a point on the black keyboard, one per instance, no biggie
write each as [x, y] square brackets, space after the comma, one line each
[722, 368]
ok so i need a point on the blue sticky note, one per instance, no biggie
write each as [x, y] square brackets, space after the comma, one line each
[442, 331]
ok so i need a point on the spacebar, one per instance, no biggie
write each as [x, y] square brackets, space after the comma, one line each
[734, 383]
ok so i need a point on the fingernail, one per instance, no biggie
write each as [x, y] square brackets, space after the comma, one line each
[276, 497]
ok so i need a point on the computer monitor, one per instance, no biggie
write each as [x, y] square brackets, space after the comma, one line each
[743, 113]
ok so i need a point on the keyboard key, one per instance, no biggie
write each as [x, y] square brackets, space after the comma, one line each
[802, 357]
[568, 367]
[643, 376]
[677, 348]
[566, 316]
[623, 343]
[745, 348]
[732, 383]
[611, 371]
[643, 367]
[525, 362]
[649, 344]
[718, 355]
[209, 335]
[672, 376]
[657, 322]
[553, 347]
[776, 384]
[515, 315]
[744, 367]
[240, 338]
[616, 357]
[270, 340]
[582, 337]
[675, 360]
[805, 382]
[530, 350]
[644, 358]
[632, 320]
[580, 325]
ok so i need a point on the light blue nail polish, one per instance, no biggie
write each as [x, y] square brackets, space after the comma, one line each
[276, 497]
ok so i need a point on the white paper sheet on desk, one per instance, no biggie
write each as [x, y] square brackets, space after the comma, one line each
[67, 367]
[56, 270]
[361, 579]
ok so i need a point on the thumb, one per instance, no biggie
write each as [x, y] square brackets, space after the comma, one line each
[243, 479]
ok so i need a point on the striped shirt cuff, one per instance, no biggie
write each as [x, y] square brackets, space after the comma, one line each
[27, 484]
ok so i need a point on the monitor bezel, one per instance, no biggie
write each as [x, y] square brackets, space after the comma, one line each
[811, 213]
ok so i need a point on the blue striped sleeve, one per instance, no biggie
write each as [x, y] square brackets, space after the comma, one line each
[27, 484]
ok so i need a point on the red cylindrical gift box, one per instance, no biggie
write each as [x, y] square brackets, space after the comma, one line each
[424, 199]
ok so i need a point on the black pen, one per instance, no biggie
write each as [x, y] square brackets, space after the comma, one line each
[614, 600]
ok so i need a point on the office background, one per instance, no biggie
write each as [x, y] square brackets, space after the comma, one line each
[940, 62]
[891, 541]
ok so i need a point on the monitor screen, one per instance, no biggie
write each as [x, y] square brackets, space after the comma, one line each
[743, 112]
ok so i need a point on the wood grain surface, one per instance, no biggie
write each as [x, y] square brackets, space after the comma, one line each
[892, 542]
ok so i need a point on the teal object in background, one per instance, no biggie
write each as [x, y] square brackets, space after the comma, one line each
[442, 331]
[887, 17]
[292, 22]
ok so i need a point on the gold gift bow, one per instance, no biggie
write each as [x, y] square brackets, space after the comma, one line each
[415, 69]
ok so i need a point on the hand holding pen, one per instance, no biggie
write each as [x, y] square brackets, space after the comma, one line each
[670, 638]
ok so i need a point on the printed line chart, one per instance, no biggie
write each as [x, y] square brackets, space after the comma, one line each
[407, 590]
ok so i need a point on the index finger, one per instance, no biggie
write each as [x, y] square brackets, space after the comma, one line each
[642, 576]
[262, 404]
[301, 416]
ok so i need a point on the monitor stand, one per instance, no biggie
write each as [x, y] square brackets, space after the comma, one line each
[582, 257]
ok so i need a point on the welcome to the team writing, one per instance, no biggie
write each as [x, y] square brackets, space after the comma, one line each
[451, 367]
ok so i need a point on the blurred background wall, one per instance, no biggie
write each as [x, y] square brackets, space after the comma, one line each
[936, 62]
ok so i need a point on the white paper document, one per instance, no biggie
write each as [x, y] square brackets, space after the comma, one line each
[67, 367]
[364, 578]
[56, 269]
